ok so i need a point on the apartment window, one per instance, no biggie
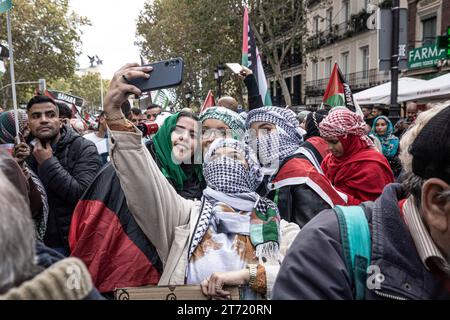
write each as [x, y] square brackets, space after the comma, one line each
[366, 4]
[365, 62]
[316, 24]
[329, 18]
[346, 10]
[345, 62]
[315, 71]
[328, 67]
[429, 31]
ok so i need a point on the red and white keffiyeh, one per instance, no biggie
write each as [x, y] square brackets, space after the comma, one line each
[343, 122]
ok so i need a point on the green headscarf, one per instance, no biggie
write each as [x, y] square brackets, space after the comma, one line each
[163, 147]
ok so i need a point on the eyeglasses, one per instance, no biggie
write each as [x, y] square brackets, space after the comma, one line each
[217, 133]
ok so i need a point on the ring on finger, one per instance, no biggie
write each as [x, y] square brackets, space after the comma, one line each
[218, 287]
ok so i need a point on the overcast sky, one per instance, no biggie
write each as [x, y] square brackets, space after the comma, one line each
[112, 33]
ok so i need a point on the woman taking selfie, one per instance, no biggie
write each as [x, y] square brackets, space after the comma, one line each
[232, 237]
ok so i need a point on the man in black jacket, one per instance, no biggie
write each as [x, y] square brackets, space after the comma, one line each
[409, 226]
[66, 164]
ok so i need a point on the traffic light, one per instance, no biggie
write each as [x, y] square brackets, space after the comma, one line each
[443, 42]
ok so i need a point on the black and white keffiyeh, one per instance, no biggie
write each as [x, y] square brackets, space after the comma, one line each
[232, 178]
[273, 148]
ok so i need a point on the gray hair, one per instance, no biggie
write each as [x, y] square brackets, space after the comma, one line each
[17, 237]
[413, 183]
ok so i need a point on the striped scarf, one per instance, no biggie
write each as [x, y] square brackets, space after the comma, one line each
[238, 193]
[273, 148]
[8, 128]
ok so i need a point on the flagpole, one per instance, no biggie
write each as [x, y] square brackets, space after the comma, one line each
[13, 79]
[101, 91]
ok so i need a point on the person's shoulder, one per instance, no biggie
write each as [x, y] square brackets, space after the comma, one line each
[324, 227]
[91, 136]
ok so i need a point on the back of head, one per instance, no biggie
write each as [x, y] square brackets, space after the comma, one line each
[313, 121]
[136, 111]
[425, 148]
[126, 109]
[302, 115]
[17, 237]
[64, 110]
[229, 103]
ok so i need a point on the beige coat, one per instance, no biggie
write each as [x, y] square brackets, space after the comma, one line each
[167, 219]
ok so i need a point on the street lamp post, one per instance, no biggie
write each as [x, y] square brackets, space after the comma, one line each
[188, 96]
[218, 75]
[394, 110]
[96, 59]
[221, 73]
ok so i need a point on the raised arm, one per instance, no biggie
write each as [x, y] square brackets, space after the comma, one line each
[155, 205]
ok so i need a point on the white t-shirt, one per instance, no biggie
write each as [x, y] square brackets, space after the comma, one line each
[100, 143]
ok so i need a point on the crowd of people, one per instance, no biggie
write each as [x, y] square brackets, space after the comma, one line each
[327, 204]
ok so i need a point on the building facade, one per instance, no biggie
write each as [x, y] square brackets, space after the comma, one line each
[338, 32]
[292, 67]
[427, 20]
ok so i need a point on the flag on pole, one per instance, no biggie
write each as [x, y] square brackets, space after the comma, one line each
[161, 98]
[208, 103]
[252, 60]
[338, 92]
[69, 100]
[5, 5]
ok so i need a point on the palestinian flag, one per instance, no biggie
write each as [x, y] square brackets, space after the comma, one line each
[252, 60]
[208, 103]
[338, 92]
[105, 235]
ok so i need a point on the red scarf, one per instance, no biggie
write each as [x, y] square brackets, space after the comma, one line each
[361, 172]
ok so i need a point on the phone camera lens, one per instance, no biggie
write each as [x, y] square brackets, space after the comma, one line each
[166, 64]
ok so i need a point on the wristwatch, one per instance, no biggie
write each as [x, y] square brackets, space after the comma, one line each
[253, 270]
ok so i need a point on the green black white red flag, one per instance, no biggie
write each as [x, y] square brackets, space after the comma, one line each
[338, 92]
[252, 60]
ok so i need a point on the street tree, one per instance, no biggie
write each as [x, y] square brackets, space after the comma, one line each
[46, 41]
[206, 33]
[86, 86]
[203, 33]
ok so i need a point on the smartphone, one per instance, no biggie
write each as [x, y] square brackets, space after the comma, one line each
[165, 74]
[235, 67]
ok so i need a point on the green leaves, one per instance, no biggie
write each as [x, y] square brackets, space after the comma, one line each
[204, 33]
[46, 40]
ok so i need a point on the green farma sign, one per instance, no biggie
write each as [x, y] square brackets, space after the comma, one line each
[5, 5]
[425, 57]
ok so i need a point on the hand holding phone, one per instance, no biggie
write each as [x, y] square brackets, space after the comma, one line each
[165, 74]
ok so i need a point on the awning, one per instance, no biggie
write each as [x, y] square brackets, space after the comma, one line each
[382, 94]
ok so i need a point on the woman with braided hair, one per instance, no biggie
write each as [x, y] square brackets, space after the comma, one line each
[353, 165]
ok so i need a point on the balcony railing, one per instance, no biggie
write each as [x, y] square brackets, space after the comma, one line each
[357, 81]
[289, 61]
[357, 24]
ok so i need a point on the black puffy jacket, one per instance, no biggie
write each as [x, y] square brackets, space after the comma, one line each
[66, 176]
